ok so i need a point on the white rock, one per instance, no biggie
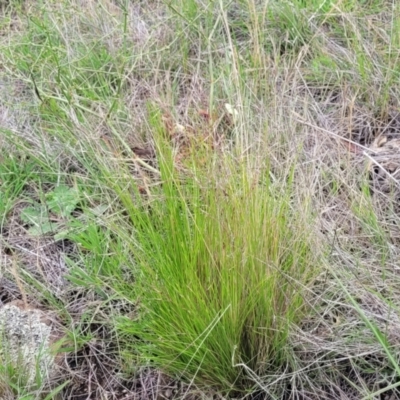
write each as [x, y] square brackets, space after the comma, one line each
[25, 340]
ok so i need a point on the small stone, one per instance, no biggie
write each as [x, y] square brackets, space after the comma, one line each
[25, 341]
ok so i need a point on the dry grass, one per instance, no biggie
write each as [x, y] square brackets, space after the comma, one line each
[316, 91]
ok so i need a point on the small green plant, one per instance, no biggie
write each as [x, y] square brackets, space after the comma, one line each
[14, 174]
[60, 202]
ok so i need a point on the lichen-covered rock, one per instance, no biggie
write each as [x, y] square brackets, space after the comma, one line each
[25, 338]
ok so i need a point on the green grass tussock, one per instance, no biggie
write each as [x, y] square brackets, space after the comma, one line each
[223, 267]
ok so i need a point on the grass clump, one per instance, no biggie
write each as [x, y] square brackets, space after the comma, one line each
[223, 266]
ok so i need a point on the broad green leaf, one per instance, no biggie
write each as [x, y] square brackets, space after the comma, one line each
[62, 200]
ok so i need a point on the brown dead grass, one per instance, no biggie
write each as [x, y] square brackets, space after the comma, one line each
[341, 142]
